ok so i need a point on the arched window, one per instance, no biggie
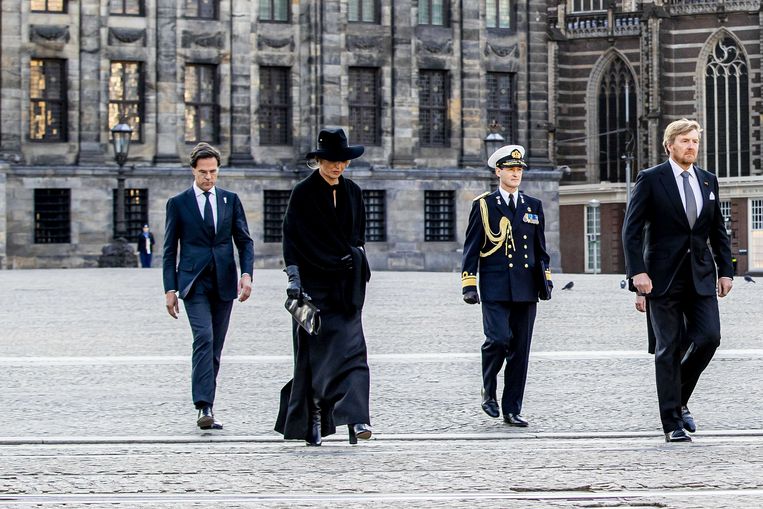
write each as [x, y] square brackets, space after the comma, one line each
[727, 110]
[617, 121]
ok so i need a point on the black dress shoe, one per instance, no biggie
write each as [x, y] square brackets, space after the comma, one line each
[689, 424]
[677, 435]
[490, 405]
[313, 437]
[515, 420]
[359, 431]
[206, 418]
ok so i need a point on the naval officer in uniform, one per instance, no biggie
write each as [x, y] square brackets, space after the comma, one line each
[505, 244]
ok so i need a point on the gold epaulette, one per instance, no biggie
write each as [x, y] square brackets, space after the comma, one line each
[468, 280]
[481, 196]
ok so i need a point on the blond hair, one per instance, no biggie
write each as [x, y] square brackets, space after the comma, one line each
[678, 128]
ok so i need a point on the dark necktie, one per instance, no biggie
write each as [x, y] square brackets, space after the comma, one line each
[691, 202]
[209, 219]
[512, 205]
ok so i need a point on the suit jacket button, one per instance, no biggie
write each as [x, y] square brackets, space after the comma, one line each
[524, 236]
[527, 266]
[510, 256]
[525, 246]
[511, 265]
[525, 256]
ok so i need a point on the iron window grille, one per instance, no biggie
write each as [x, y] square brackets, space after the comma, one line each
[126, 7]
[376, 215]
[275, 106]
[364, 11]
[433, 108]
[365, 106]
[126, 94]
[274, 10]
[48, 5]
[439, 216]
[47, 99]
[434, 12]
[501, 102]
[52, 209]
[202, 119]
[275, 203]
[136, 212]
[204, 9]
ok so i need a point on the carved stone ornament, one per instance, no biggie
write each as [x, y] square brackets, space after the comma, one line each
[501, 51]
[127, 36]
[51, 36]
[264, 42]
[214, 40]
[362, 42]
[444, 47]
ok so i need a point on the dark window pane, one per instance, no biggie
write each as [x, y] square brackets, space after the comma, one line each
[376, 215]
[365, 106]
[274, 10]
[275, 106]
[136, 212]
[275, 208]
[128, 7]
[616, 134]
[200, 97]
[433, 108]
[52, 223]
[206, 9]
[434, 12]
[439, 216]
[47, 100]
[501, 103]
[48, 5]
[126, 96]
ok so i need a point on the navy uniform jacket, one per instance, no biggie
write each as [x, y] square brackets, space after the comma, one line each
[198, 245]
[512, 275]
[657, 237]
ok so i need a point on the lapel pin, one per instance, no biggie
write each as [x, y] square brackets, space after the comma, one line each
[706, 183]
[225, 200]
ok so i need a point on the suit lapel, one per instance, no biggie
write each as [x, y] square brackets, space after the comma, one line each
[193, 206]
[502, 207]
[519, 215]
[668, 181]
[222, 208]
[703, 178]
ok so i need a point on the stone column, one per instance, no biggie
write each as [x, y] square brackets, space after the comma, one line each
[10, 76]
[241, 79]
[91, 150]
[332, 70]
[473, 126]
[402, 103]
[534, 22]
[166, 82]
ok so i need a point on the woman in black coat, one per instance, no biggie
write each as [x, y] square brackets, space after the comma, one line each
[323, 238]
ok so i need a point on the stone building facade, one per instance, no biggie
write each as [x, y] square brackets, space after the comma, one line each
[415, 81]
[621, 71]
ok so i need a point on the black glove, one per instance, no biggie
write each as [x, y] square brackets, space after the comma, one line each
[294, 288]
[471, 297]
[346, 262]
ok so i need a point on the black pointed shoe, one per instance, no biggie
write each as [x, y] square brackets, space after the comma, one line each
[490, 405]
[206, 418]
[677, 435]
[515, 420]
[359, 431]
[689, 424]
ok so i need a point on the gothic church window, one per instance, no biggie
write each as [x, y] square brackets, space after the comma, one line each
[727, 111]
[617, 121]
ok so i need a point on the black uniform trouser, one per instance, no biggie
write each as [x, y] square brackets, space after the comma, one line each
[209, 317]
[677, 375]
[508, 328]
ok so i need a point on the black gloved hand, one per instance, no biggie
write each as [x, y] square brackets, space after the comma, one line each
[346, 262]
[472, 297]
[294, 288]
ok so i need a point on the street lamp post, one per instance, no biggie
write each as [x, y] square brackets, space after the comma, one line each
[494, 140]
[119, 252]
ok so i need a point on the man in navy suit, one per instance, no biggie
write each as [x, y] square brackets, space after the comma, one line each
[205, 221]
[506, 243]
[673, 214]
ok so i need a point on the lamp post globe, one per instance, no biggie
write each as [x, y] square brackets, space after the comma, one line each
[493, 140]
[120, 139]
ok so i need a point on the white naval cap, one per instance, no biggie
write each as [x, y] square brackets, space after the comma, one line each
[508, 156]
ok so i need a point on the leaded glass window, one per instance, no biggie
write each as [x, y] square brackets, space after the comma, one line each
[126, 7]
[274, 10]
[498, 13]
[366, 11]
[201, 109]
[433, 108]
[617, 121]
[433, 12]
[48, 5]
[501, 102]
[47, 99]
[126, 96]
[365, 106]
[275, 106]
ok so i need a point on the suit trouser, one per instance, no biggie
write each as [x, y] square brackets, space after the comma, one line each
[508, 328]
[209, 317]
[145, 260]
[677, 375]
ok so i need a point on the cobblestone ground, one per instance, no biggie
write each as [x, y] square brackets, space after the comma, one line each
[91, 363]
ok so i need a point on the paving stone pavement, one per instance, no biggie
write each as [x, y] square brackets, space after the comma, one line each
[91, 363]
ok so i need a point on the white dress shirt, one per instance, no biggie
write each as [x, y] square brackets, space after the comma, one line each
[693, 182]
[505, 195]
[201, 201]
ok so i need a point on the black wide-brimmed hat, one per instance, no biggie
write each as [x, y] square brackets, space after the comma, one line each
[332, 146]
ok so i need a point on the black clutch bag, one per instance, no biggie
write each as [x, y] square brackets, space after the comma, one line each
[308, 316]
[544, 280]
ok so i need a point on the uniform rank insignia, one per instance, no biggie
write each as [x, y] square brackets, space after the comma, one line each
[531, 218]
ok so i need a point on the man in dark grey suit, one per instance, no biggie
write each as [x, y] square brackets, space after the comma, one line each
[673, 215]
[205, 221]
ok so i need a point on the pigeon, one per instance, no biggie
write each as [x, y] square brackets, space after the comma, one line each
[749, 279]
[623, 283]
[568, 286]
